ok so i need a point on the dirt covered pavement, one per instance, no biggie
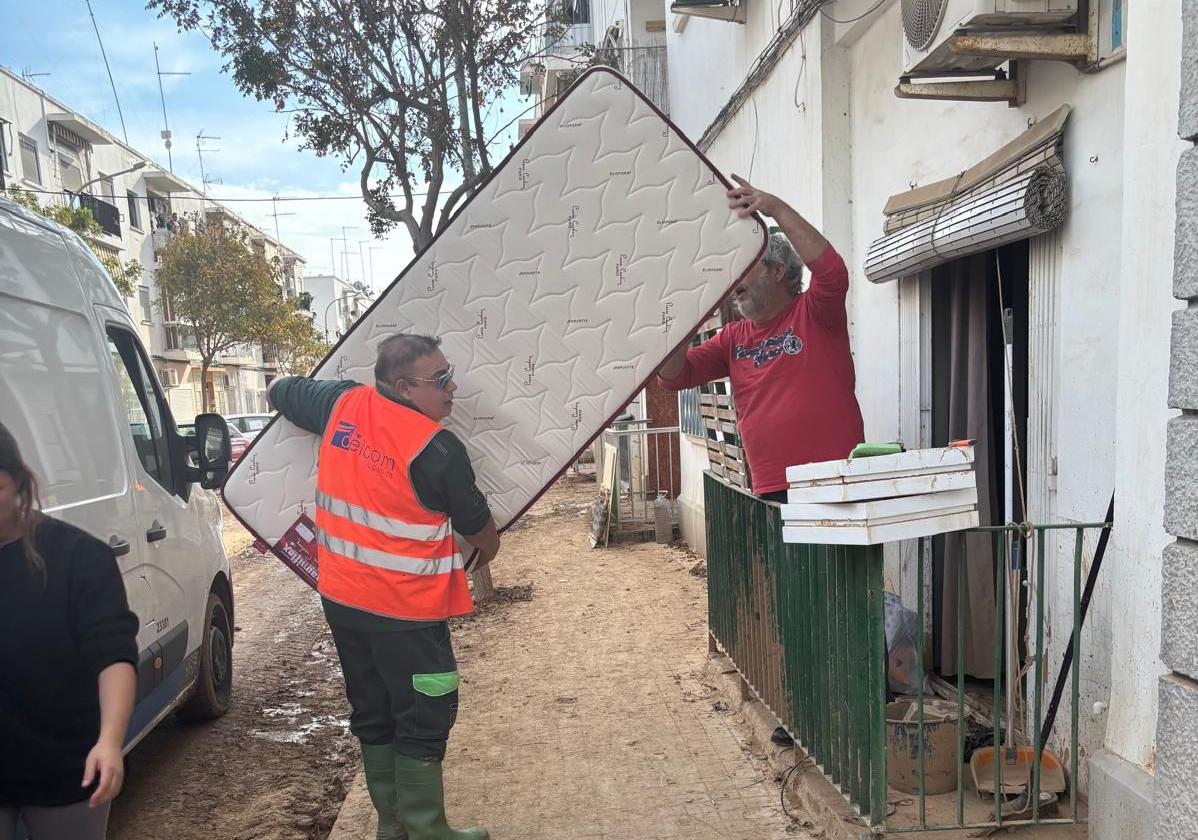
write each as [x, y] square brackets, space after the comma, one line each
[277, 765]
[584, 712]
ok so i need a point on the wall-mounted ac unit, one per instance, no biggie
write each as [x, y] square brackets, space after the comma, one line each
[929, 25]
[169, 377]
[733, 10]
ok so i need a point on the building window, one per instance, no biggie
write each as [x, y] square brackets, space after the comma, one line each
[4, 129]
[108, 189]
[576, 11]
[69, 172]
[689, 418]
[134, 210]
[143, 297]
[31, 166]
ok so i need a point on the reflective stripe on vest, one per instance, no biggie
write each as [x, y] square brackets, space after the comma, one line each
[378, 522]
[392, 562]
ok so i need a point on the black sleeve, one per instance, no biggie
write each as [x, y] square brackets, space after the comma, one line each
[444, 482]
[105, 627]
[308, 403]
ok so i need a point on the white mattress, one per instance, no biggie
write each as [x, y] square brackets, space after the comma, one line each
[596, 247]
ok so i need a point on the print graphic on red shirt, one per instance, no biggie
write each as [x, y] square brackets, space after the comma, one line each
[792, 378]
[771, 348]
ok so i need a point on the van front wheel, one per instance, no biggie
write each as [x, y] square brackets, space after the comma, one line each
[214, 682]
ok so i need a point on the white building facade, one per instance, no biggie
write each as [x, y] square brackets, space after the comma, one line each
[871, 126]
[823, 128]
[335, 304]
[60, 156]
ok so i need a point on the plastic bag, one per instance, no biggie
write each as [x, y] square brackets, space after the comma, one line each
[901, 629]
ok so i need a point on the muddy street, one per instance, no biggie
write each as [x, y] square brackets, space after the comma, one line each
[278, 763]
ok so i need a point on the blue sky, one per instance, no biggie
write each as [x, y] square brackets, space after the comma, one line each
[253, 158]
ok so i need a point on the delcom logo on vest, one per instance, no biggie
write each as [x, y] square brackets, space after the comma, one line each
[346, 436]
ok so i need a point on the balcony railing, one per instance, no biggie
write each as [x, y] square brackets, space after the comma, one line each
[805, 627]
[568, 41]
[645, 67]
[107, 216]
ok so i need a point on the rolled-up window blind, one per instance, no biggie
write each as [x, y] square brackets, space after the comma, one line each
[1020, 191]
[1033, 203]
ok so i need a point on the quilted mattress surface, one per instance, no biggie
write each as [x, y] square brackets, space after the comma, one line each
[594, 250]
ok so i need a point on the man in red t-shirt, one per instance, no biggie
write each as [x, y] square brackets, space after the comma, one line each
[789, 359]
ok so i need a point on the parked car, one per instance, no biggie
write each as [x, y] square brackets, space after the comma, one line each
[238, 443]
[249, 424]
[79, 391]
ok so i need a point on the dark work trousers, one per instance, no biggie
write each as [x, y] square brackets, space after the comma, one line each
[383, 669]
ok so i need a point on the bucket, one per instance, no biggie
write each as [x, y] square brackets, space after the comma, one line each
[1016, 770]
[939, 737]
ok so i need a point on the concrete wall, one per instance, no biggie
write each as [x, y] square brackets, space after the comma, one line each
[1176, 805]
[692, 522]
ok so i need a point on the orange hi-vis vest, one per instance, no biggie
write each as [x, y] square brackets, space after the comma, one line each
[378, 548]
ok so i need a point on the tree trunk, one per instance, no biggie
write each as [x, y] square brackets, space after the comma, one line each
[206, 400]
[483, 586]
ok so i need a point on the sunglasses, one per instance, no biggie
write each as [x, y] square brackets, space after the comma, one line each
[441, 380]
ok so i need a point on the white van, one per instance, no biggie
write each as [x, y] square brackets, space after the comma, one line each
[79, 392]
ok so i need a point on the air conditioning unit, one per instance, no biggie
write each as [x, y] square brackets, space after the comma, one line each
[169, 377]
[929, 25]
[731, 10]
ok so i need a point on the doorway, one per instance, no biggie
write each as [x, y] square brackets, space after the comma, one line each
[979, 337]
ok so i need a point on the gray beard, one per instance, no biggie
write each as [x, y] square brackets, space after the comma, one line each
[748, 308]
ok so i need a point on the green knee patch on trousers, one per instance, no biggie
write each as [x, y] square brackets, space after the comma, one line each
[435, 685]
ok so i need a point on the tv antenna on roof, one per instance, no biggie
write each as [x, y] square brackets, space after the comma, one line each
[204, 179]
[166, 128]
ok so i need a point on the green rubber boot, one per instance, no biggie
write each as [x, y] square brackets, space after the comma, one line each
[378, 760]
[422, 802]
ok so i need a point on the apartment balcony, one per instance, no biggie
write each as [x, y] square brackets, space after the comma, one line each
[645, 67]
[180, 342]
[576, 35]
[106, 216]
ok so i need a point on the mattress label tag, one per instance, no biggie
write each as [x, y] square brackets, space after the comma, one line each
[297, 549]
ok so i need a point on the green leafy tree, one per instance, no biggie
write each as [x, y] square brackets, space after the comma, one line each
[126, 275]
[223, 291]
[298, 346]
[398, 90]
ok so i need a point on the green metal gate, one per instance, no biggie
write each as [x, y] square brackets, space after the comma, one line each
[804, 626]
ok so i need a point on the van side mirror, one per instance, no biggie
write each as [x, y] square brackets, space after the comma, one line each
[214, 451]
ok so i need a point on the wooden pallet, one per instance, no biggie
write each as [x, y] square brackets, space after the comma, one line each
[717, 408]
[724, 453]
[726, 461]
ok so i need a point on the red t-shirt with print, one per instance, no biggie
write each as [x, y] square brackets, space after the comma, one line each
[792, 378]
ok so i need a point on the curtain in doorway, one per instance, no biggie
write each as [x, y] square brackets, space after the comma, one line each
[965, 408]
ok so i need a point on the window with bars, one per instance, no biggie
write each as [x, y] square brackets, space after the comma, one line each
[690, 417]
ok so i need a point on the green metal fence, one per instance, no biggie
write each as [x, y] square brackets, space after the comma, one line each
[804, 626]
[1009, 543]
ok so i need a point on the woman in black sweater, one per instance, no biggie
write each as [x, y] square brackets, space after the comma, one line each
[67, 681]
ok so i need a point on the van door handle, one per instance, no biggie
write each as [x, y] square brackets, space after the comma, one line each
[157, 532]
[119, 546]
